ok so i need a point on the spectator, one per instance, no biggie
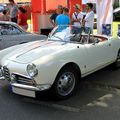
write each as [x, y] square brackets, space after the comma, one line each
[22, 18]
[89, 18]
[54, 15]
[13, 11]
[77, 16]
[4, 16]
[63, 19]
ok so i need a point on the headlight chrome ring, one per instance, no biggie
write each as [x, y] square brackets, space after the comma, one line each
[32, 70]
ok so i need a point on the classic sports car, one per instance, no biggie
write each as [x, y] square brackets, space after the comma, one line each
[59, 62]
[11, 34]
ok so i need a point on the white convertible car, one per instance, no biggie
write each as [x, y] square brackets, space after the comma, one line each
[59, 62]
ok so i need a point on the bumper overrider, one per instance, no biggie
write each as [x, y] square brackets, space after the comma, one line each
[23, 85]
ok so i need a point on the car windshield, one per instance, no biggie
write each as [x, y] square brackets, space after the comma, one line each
[67, 33]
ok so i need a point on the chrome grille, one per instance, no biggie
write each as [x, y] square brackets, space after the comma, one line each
[24, 80]
[6, 73]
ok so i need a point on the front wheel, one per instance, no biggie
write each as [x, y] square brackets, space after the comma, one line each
[66, 83]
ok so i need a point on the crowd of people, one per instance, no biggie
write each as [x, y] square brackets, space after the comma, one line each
[15, 14]
[62, 17]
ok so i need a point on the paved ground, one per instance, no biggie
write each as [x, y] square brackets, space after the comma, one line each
[98, 98]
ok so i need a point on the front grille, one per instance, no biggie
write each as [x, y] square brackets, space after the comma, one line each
[6, 73]
[24, 80]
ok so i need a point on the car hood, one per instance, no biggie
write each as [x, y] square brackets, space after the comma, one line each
[35, 50]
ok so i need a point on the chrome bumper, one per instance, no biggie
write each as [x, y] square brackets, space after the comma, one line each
[27, 90]
[25, 87]
[32, 88]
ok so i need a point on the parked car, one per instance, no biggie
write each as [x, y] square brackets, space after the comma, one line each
[11, 34]
[58, 63]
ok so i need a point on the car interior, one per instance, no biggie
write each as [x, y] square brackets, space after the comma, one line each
[88, 39]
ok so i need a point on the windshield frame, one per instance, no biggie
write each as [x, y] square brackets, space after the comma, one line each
[71, 36]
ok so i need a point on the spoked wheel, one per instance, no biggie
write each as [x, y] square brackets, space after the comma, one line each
[65, 83]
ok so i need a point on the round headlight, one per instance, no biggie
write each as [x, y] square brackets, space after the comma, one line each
[32, 70]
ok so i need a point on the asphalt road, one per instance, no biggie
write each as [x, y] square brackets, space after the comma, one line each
[98, 98]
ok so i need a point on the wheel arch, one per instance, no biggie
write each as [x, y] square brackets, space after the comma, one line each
[73, 65]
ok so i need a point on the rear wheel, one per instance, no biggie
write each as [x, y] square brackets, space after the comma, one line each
[66, 83]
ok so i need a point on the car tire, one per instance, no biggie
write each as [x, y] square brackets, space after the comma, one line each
[117, 62]
[65, 84]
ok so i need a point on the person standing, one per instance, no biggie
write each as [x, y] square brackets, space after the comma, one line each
[54, 15]
[22, 18]
[88, 21]
[13, 11]
[63, 19]
[77, 16]
[4, 16]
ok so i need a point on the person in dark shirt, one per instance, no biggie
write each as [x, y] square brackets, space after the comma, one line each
[54, 15]
[13, 11]
[63, 19]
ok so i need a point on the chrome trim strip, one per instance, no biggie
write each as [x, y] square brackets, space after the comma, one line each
[22, 75]
[22, 79]
[97, 68]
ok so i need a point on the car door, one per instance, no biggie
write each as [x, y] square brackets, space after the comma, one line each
[10, 35]
[99, 54]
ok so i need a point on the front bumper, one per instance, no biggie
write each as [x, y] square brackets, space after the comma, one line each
[23, 85]
[27, 90]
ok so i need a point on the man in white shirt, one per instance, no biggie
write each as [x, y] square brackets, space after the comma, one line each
[77, 16]
[89, 18]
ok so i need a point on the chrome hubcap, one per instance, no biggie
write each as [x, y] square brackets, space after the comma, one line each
[66, 83]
